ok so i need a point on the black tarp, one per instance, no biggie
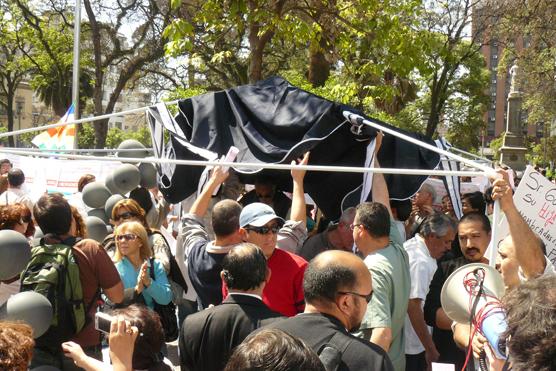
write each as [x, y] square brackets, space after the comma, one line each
[273, 121]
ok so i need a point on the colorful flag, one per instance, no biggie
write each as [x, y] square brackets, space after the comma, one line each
[61, 137]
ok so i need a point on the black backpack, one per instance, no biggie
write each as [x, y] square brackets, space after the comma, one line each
[330, 354]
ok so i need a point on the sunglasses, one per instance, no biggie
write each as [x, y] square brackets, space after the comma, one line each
[366, 297]
[126, 215]
[264, 230]
[25, 219]
[126, 237]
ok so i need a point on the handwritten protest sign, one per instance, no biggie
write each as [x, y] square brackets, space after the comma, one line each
[535, 198]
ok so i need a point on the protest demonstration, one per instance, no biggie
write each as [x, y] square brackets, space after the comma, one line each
[318, 185]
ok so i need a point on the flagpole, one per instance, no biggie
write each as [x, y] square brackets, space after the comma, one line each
[75, 80]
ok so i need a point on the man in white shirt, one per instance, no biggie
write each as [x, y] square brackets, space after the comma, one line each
[15, 193]
[437, 233]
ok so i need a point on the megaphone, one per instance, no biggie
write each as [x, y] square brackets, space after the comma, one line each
[472, 293]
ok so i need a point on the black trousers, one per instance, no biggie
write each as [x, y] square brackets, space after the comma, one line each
[415, 362]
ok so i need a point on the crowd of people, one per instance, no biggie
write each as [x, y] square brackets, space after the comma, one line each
[363, 293]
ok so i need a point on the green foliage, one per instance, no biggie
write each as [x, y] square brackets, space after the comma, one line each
[544, 152]
[495, 146]
[115, 136]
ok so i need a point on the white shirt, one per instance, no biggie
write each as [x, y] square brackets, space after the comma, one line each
[14, 196]
[422, 267]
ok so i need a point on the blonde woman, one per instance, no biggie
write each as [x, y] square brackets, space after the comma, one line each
[133, 261]
[128, 210]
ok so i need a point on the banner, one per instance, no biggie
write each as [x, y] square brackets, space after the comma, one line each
[57, 175]
[535, 198]
[58, 138]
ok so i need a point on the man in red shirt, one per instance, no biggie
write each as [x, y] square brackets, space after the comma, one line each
[260, 225]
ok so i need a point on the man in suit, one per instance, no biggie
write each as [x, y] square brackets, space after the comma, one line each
[207, 338]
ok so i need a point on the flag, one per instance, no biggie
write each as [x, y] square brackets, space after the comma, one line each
[62, 137]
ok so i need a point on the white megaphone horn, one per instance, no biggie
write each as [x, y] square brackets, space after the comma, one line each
[472, 293]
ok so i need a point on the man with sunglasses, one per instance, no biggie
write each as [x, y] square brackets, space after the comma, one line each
[378, 240]
[260, 225]
[337, 287]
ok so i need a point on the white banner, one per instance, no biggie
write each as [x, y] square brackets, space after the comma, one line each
[57, 175]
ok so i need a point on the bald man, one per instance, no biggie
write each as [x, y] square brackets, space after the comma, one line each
[337, 287]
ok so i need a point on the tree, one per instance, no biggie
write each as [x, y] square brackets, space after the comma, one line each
[369, 46]
[527, 35]
[451, 44]
[13, 65]
[116, 61]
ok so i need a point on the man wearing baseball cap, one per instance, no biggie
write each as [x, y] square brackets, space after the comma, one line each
[276, 237]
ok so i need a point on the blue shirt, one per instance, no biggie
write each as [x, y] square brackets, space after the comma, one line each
[158, 290]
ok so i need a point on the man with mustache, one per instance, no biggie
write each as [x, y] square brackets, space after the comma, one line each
[474, 237]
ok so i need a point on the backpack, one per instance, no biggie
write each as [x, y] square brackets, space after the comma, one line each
[54, 273]
[175, 274]
[330, 354]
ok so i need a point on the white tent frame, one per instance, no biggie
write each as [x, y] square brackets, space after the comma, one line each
[355, 119]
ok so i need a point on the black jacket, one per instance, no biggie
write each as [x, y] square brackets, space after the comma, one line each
[317, 329]
[207, 338]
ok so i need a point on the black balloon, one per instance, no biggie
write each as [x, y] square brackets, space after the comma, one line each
[31, 308]
[110, 203]
[126, 177]
[15, 253]
[132, 144]
[148, 175]
[96, 229]
[95, 194]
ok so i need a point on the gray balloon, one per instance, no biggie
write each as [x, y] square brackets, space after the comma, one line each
[15, 253]
[96, 228]
[109, 183]
[126, 177]
[95, 195]
[99, 213]
[110, 203]
[148, 175]
[132, 144]
[31, 308]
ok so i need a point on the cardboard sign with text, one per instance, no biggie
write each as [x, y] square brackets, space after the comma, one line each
[535, 198]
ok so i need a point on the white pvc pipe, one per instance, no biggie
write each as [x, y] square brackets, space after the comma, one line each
[352, 117]
[470, 154]
[80, 121]
[52, 152]
[345, 169]
[494, 234]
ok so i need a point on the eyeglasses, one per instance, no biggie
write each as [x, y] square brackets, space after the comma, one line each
[25, 219]
[352, 226]
[366, 297]
[126, 237]
[264, 230]
[126, 215]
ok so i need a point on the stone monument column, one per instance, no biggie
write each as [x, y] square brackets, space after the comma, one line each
[513, 150]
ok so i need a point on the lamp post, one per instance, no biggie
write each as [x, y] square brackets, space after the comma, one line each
[75, 77]
[18, 111]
